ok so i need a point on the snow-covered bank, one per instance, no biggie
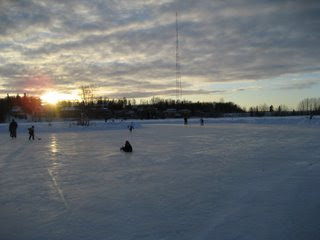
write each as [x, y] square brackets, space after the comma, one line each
[296, 120]
[68, 126]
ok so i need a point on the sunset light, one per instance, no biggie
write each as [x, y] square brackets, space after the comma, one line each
[53, 97]
[159, 119]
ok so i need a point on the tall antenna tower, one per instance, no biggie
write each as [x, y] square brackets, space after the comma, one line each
[178, 72]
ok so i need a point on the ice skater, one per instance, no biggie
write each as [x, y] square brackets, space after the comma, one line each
[201, 121]
[185, 121]
[13, 128]
[311, 116]
[127, 147]
[31, 133]
[130, 127]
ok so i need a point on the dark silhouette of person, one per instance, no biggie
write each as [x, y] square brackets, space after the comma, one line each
[127, 147]
[311, 116]
[31, 133]
[201, 121]
[130, 127]
[13, 128]
[185, 120]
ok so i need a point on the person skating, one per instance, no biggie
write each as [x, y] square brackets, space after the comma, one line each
[127, 147]
[130, 127]
[13, 128]
[185, 121]
[31, 133]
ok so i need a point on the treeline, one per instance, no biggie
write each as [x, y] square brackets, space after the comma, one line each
[159, 103]
[307, 106]
[154, 108]
[103, 108]
[205, 107]
[18, 106]
[311, 105]
[264, 109]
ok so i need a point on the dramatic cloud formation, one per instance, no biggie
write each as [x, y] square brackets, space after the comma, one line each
[127, 48]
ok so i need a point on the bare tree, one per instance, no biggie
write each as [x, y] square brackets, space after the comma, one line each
[309, 105]
[87, 94]
[263, 108]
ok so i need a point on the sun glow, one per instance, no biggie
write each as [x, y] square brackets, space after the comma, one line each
[54, 97]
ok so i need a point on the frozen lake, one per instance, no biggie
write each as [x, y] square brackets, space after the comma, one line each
[218, 181]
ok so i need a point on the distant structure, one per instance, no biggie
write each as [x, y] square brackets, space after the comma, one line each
[178, 71]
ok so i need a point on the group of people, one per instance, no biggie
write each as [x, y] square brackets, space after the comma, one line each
[13, 130]
[126, 148]
[186, 121]
[13, 134]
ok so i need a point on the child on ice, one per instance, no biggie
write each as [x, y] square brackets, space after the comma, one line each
[127, 147]
[31, 133]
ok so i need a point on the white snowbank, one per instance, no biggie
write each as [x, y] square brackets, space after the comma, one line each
[296, 120]
[68, 126]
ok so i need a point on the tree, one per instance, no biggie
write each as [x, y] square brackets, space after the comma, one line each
[263, 108]
[87, 95]
[271, 108]
[4, 109]
[309, 105]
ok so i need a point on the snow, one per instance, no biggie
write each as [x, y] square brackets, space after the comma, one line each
[240, 178]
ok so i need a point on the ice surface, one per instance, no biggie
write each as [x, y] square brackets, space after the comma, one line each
[218, 181]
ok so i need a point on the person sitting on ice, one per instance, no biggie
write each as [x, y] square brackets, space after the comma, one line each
[127, 147]
[31, 133]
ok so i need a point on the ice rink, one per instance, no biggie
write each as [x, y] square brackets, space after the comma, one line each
[218, 181]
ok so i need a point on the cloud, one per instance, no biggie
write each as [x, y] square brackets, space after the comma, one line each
[299, 85]
[161, 93]
[249, 88]
[126, 46]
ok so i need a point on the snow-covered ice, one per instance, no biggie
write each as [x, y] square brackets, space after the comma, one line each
[253, 179]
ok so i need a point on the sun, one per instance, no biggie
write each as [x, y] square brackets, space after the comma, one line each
[53, 97]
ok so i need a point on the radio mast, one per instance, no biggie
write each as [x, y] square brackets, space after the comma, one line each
[178, 72]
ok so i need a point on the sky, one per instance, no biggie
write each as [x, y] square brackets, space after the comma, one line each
[250, 52]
